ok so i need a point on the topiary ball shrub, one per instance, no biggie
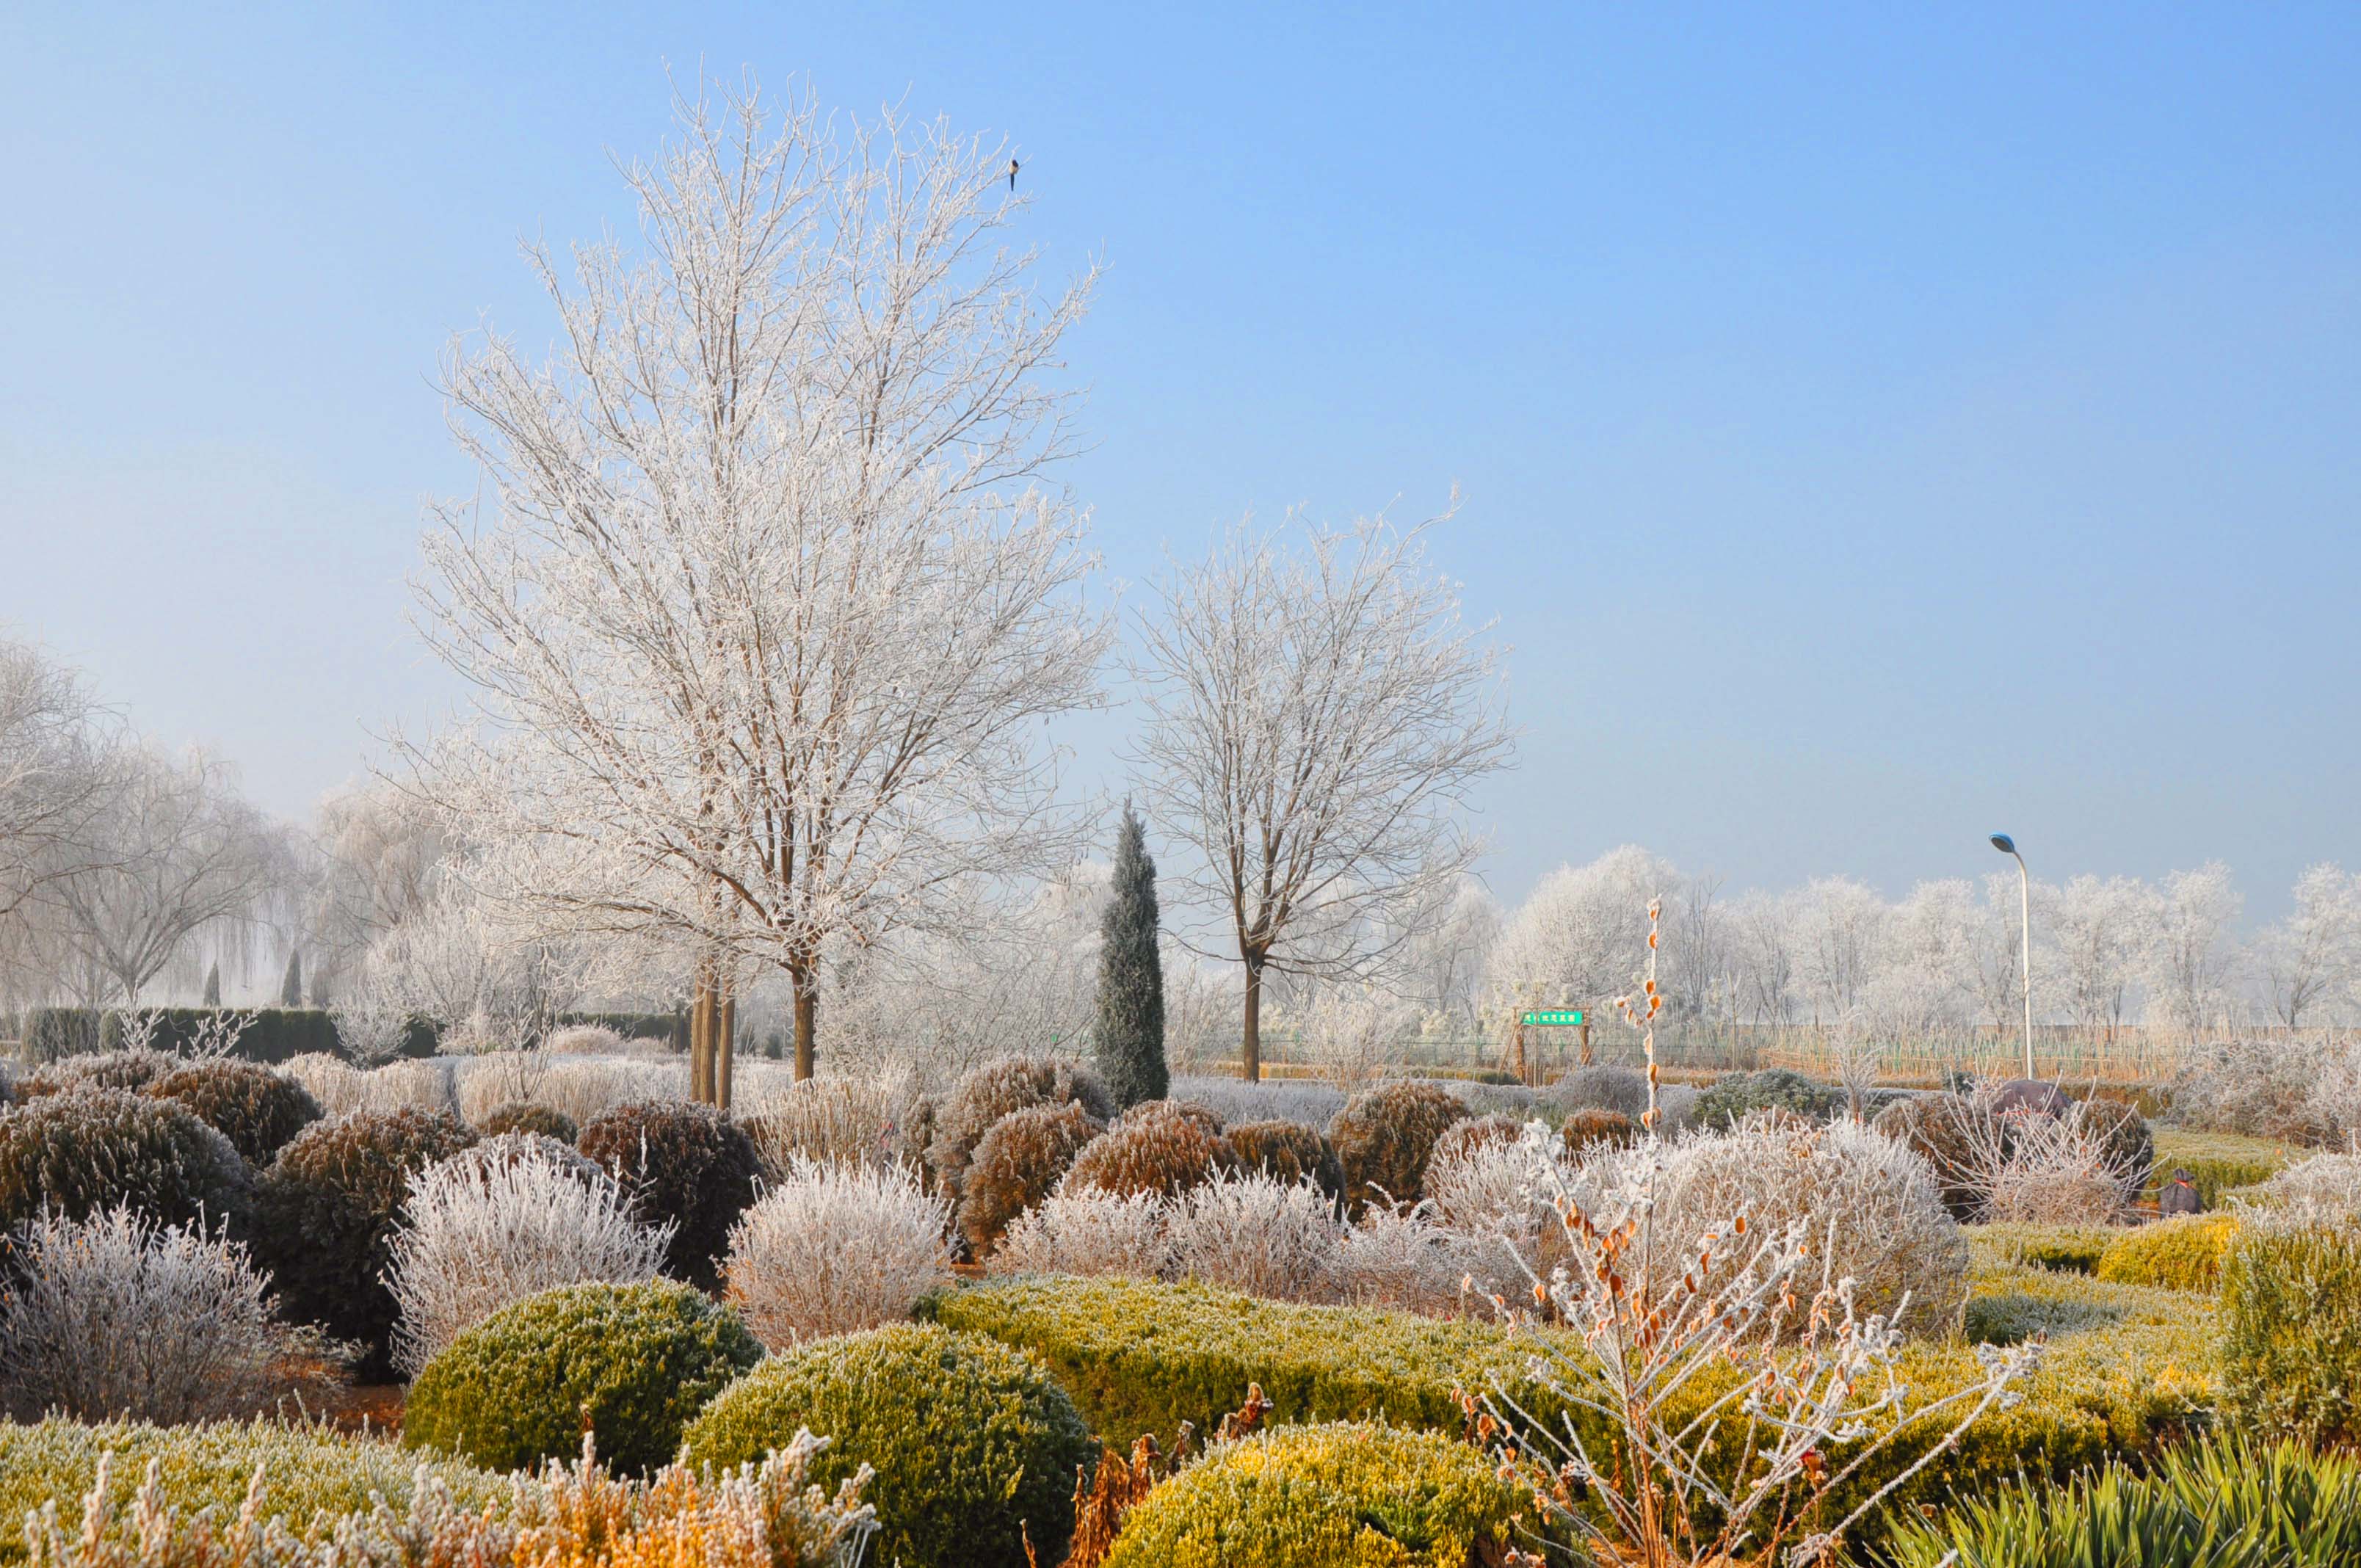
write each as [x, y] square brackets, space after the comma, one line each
[326, 1212]
[1019, 1160]
[1287, 1152]
[632, 1364]
[528, 1116]
[689, 1164]
[973, 1444]
[1385, 1135]
[1588, 1130]
[2292, 1331]
[85, 1150]
[1946, 1131]
[134, 1068]
[1322, 1497]
[256, 1109]
[2180, 1254]
[993, 1091]
[1462, 1138]
[1729, 1100]
[1161, 1146]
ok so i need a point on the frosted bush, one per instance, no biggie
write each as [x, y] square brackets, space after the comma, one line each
[584, 1040]
[1280, 1240]
[428, 1084]
[2029, 1169]
[833, 1249]
[846, 1120]
[2326, 1184]
[1496, 1199]
[2262, 1087]
[512, 1217]
[335, 1084]
[1088, 1234]
[1873, 1209]
[1234, 1101]
[118, 1316]
[1400, 1257]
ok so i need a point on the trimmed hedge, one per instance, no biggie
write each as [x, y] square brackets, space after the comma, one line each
[689, 1164]
[2291, 1333]
[973, 1446]
[2182, 1254]
[89, 1150]
[1138, 1356]
[2069, 1249]
[307, 1470]
[635, 1363]
[1330, 1496]
[275, 1034]
[2218, 1161]
[257, 1109]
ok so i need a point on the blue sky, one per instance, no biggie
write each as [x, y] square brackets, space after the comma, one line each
[1877, 425]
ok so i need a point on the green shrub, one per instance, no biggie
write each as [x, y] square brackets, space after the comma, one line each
[973, 1446]
[2184, 1254]
[2070, 1249]
[991, 1092]
[307, 1470]
[1287, 1152]
[2211, 1505]
[1592, 1128]
[528, 1116]
[2291, 1331]
[1385, 1135]
[1330, 1496]
[2217, 1161]
[90, 1149]
[689, 1164]
[1729, 1099]
[326, 1211]
[1160, 1146]
[633, 1362]
[1019, 1160]
[256, 1109]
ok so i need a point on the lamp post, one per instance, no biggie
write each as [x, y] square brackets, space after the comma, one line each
[2007, 846]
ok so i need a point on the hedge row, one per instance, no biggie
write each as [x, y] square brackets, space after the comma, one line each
[279, 1034]
[2218, 1162]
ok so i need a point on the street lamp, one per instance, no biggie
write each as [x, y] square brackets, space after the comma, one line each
[2007, 846]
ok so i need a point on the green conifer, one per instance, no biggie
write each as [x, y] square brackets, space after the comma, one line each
[1129, 1039]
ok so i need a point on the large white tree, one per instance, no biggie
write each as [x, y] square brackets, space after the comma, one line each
[1316, 715]
[771, 606]
[2310, 960]
[60, 768]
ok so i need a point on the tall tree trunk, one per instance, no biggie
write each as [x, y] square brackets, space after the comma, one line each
[704, 1018]
[806, 1022]
[726, 1051]
[1250, 1042]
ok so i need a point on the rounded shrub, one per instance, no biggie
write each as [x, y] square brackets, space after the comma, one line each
[132, 1068]
[1588, 1130]
[1287, 1152]
[993, 1090]
[1342, 1496]
[326, 1213]
[974, 1445]
[632, 1364]
[528, 1116]
[1385, 1135]
[1161, 1146]
[85, 1150]
[2182, 1254]
[1946, 1131]
[687, 1164]
[1019, 1160]
[1462, 1138]
[256, 1109]
[1729, 1100]
[2124, 1141]
[2292, 1331]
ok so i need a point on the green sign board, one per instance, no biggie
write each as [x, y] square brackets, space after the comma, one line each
[1568, 1016]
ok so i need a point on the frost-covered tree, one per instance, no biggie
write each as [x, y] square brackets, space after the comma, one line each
[2095, 931]
[2310, 960]
[1576, 940]
[1316, 717]
[290, 983]
[60, 768]
[2190, 947]
[771, 606]
[1129, 1037]
[212, 985]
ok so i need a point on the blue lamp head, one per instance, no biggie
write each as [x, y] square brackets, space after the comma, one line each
[2003, 843]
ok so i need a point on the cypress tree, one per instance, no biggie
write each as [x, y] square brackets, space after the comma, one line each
[212, 986]
[1129, 1039]
[290, 990]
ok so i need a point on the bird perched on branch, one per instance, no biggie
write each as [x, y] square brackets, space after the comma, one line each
[1012, 174]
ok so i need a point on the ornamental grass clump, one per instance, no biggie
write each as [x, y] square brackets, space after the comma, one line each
[973, 1445]
[511, 1218]
[685, 1164]
[833, 1249]
[630, 1363]
[256, 1109]
[81, 1152]
[1282, 1240]
[1087, 1233]
[122, 1317]
[1020, 1160]
[1385, 1135]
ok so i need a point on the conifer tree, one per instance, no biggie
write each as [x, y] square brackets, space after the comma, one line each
[290, 990]
[1129, 1039]
[212, 986]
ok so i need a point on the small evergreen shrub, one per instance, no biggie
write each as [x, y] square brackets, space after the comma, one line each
[1730, 1100]
[1320, 1496]
[1588, 1130]
[974, 1445]
[1129, 1039]
[1164, 1147]
[326, 1213]
[2291, 1331]
[2184, 1254]
[79, 1152]
[528, 1116]
[256, 1109]
[631, 1363]
[1599, 1086]
[993, 1091]
[1287, 1152]
[1947, 1131]
[1385, 1135]
[683, 1164]
[1016, 1165]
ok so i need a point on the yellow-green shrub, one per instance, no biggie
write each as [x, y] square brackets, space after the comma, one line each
[2184, 1254]
[2291, 1333]
[1347, 1496]
[2070, 1249]
[2217, 1162]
